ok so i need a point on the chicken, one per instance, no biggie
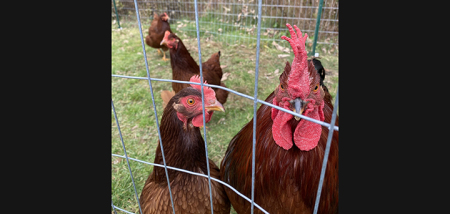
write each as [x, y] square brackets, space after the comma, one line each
[184, 148]
[156, 31]
[289, 151]
[184, 66]
[318, 66]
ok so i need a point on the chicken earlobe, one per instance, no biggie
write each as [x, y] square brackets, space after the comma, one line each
[183, 119]
[274, 110]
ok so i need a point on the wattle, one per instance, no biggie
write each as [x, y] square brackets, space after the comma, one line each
[197, 121]
[281, 129]
[306, 134]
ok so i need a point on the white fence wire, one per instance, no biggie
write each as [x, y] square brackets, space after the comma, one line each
[174, 8]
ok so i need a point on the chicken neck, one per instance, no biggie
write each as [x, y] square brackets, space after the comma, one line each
[183, 148]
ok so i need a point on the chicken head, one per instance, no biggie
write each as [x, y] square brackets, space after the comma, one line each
[190, 105]
[170, 40]
[299, 91]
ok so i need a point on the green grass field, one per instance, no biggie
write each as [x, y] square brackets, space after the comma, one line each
[133, 102]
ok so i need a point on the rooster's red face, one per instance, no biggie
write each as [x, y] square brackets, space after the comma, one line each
[170, 40]
[299, 91]
[190, 106]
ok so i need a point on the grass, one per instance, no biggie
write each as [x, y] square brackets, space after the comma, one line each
[134, 108]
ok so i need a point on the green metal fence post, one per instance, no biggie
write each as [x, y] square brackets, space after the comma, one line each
[117, 15]
[316, 31]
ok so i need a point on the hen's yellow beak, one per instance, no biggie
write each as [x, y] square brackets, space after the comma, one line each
[163, 42]
[217, 106]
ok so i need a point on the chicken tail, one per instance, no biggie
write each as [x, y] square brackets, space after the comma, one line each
[166, 96]
[221, 94]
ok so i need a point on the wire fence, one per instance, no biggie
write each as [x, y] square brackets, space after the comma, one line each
[175, 10]
[235, 21]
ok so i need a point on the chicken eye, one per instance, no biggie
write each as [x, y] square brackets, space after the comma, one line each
[190, 101]
[282, 87]
[316, 88]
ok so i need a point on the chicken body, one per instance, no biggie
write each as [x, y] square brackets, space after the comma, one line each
[158, 26]
[184, 148]
[286, 172]
[184, 67]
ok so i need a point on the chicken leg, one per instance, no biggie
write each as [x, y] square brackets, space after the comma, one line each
[164, 56]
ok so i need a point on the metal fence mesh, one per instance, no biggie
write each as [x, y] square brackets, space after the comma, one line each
[235, 21]
[231, 22]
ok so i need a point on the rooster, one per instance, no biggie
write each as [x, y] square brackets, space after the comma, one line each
[159, 25]
[184, 67]
[289, 150]
[184, 148]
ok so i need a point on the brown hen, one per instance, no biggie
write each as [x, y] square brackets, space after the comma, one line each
[184, 148]
[159, 25]
[184, 66]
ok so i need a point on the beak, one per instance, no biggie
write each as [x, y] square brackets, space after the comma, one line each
[299, 107]
[163, 42]
[215, 107]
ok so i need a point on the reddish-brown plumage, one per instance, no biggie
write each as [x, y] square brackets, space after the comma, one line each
[184, 67]
[156, 31]
[286, 180]
[183, 148]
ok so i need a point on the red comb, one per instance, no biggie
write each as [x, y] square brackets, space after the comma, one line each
[299, 76]
[166, 34]
[208, 91]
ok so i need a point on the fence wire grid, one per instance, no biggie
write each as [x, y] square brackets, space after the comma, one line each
[231, 22]
[235, 21]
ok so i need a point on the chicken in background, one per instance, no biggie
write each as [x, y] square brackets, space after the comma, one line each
[321, 71]
[289, 150]
[184, 148]
[184, 67]
[159, 25]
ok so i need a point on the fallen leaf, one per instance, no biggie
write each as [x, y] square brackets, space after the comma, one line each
[283, 55]
[116, 161]
[276, 71]
[134, 127]
[225, 76]
[280, 48]
[221, 120]
[251, 72]
[223, 66]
